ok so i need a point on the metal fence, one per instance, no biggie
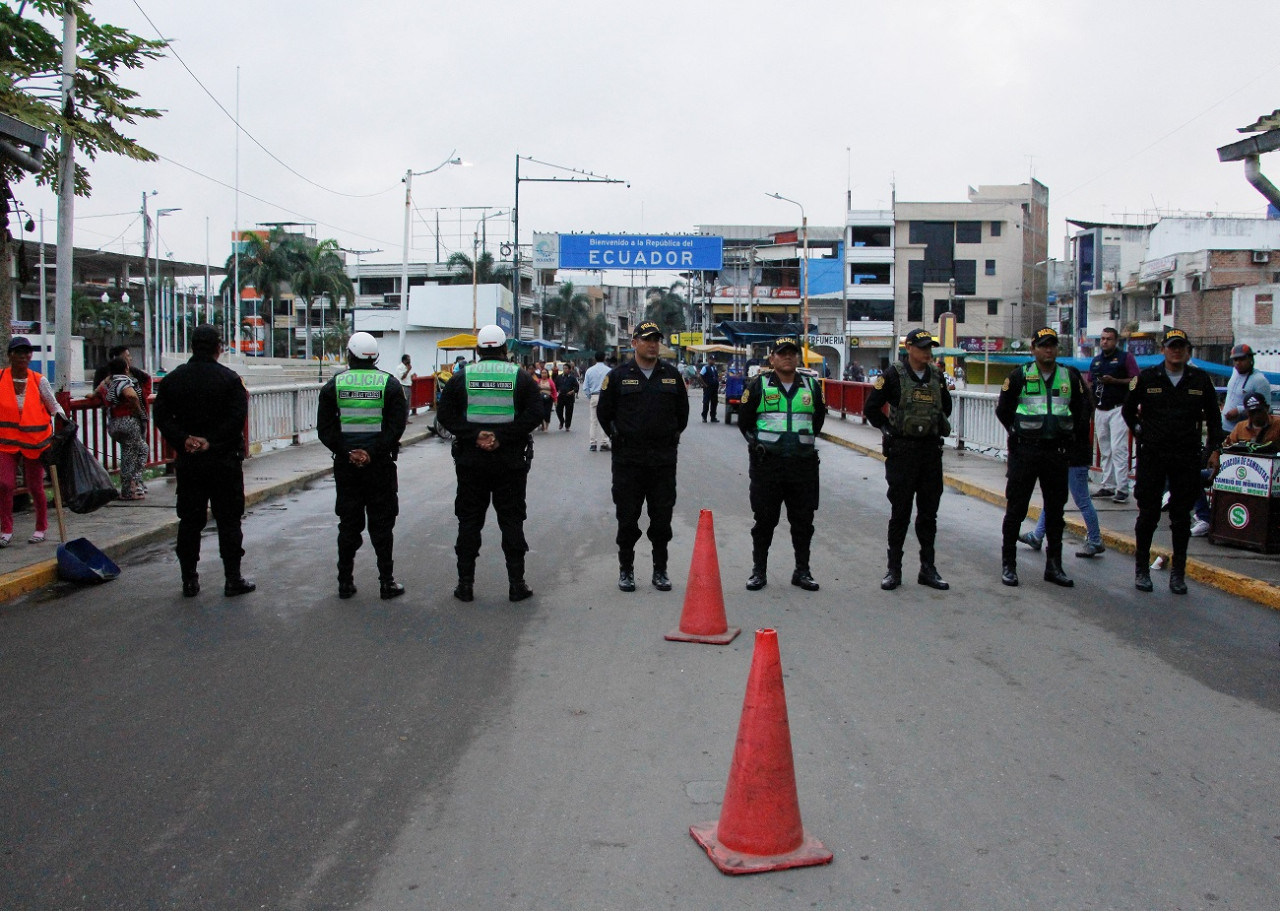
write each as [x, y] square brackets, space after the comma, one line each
[973, 414]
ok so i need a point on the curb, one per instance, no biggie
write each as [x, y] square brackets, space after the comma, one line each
[1229, 581]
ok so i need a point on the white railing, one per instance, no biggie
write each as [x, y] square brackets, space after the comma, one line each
[282, 415]
[974, 424]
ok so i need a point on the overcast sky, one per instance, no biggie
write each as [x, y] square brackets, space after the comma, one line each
[703, 107]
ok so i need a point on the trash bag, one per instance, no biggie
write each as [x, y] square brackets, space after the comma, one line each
[64, 432]
[84, 482]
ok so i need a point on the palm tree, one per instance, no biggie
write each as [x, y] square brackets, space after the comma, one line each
[267, 263]
[571, 307]
[484, 270]
[320, 271]
[595, 336]
[668, 308]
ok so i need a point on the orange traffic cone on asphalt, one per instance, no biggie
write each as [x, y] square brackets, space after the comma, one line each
[759, 829]
[703, 619]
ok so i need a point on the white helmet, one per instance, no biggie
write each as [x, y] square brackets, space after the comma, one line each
[364, 346]
[491, 337]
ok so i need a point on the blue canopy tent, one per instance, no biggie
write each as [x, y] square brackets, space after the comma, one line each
[1218, 371]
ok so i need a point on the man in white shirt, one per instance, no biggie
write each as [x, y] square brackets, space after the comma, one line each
[1244, 380]
[591, 382]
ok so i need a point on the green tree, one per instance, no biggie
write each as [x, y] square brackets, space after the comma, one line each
[486, 273]
[30, 64]
[267, 264]
[668, 307]
[321, 271]
[102, 324]
[572, 308]
[595, 337]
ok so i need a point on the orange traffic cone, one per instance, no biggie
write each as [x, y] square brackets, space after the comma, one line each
[703, 619]
[759, 828]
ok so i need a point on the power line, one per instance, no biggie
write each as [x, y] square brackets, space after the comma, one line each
[176, 56]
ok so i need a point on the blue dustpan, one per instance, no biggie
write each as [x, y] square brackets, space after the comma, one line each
[80, 561]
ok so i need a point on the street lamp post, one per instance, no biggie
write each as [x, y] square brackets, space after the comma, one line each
[158, 335]
[804, 229]
[404, 265]
[475, 263]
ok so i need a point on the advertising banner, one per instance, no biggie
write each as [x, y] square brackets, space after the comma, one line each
[1246, 474]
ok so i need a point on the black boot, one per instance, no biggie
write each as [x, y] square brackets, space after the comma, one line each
[1053, 573]
[759, 578]
[346, 575]
[626, 578]
[1142, 579]
[1009, 573]
[389, 588]
[802, 578]
[929, 576]
[346, 587]
[237, 585]
[517, 590]
[465, 589]
[892, 579]
[661, 581]
[190, 585]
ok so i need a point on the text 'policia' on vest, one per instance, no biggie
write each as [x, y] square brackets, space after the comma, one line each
[491, 386]
[361, 394]
[784, 426]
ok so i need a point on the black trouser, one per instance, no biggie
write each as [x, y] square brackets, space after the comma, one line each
[775, 482]
[503, 484]
[913, 472]
[1158, 467]
[564, 410]
[370, 493]
[205, 488]
[1044, 462]
[710, 400]
[634, 485]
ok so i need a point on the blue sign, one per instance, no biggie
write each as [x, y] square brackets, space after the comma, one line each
[681, 252]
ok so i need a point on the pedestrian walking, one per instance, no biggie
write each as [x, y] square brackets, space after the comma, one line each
[406, 375]
[1109, 374]
[644, 407]
[127, 424]
[566, 396]
[360, 418]
[919, 408]
[200, 409]
[592, 380]
[27, 407]
[1166, 408]
[492, 408]
[1046, 407]
[710, 376]
[780, 416]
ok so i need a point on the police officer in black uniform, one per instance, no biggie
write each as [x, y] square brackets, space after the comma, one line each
[781, 415]
[492, 408]
[1046, 408]
[1166, 407]
[919, 406]
[200, 409]
[361, 417]
[643, 408]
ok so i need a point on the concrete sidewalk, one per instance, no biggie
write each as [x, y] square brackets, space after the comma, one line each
[1240, 572]
[120, 527]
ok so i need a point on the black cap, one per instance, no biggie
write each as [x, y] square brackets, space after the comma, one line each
[1255, 402]
[647, 329]
[20, 341]
[1045, 336]
[1175, 337]
[785, 341]
[920, 338]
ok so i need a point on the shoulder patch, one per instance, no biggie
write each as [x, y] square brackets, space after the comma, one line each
[1004, 387]
[604, 384]
[880, 381]
[1133, 384]
[746, 395]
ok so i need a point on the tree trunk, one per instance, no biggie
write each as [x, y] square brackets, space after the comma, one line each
[7, 284]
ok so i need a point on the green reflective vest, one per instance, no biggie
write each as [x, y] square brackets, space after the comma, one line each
[491, 391]
[1044, 409]
[918, 411]
[361, 395]
[784, 426]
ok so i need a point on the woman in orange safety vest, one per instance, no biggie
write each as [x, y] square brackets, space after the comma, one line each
[26, 409]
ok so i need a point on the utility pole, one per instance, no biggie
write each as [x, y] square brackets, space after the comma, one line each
[66, 211]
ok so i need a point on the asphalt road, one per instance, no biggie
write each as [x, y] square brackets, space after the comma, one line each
[984, 748]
